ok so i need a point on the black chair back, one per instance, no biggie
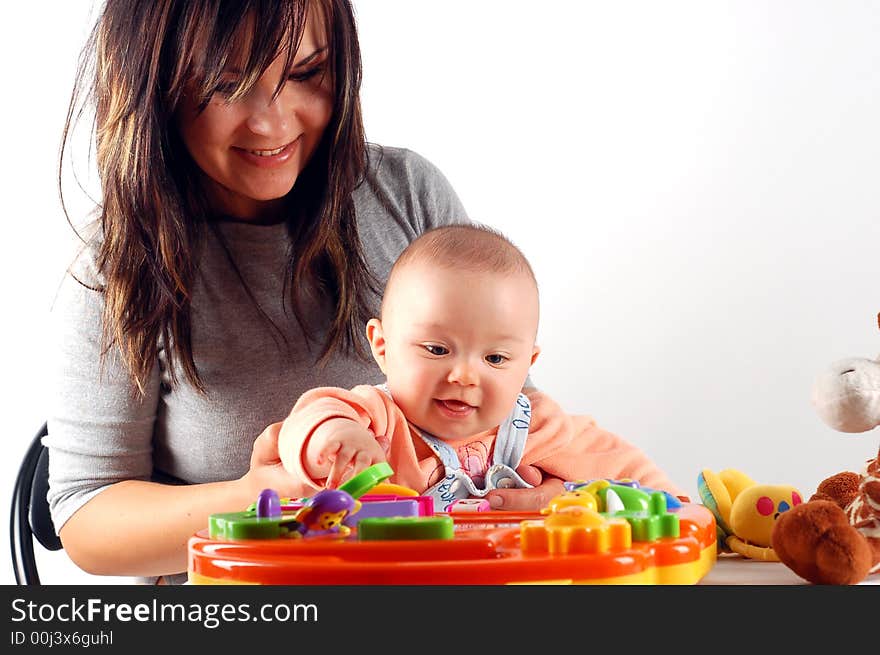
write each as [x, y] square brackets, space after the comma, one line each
[29, 517]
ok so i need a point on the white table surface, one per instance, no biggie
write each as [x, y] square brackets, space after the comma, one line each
[737, 570]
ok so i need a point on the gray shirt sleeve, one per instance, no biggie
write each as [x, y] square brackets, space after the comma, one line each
[99, 433]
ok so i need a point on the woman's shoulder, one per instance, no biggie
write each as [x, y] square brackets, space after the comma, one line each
[81, 254]
[394, 166]
[410, 187]
[77, 302]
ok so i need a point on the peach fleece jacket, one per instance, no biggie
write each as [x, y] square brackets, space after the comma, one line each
[567, 447]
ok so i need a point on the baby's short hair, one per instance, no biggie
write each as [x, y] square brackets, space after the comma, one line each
[467, 246]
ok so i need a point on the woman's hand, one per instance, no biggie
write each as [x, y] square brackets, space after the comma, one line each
[266, 470]
[535, 498]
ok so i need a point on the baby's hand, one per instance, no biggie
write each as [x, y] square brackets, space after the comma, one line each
[340, 448]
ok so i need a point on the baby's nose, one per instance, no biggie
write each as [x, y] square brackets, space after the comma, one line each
[464, 372]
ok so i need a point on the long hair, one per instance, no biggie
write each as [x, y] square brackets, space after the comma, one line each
[154, 213]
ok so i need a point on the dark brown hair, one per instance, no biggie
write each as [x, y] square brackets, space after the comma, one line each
[154, 214]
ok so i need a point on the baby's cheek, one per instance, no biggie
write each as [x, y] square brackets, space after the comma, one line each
[409, 403]
[494, 411]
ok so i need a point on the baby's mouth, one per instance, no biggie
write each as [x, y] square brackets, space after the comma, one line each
[455, 406]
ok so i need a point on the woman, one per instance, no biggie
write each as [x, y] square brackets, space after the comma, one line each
[245, 229]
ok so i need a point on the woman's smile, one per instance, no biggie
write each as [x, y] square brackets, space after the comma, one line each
[269, 158]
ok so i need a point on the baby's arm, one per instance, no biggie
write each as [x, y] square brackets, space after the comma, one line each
[574, 447]
[337, 445]
[330, 428]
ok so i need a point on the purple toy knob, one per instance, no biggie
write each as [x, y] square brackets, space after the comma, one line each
[268, 504]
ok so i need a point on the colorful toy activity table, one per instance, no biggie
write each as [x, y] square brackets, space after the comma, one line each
[571, 545]
[487, 548]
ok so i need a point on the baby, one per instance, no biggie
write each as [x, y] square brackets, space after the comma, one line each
[455, 341]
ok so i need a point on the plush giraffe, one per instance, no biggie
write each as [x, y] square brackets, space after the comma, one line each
[834, 538]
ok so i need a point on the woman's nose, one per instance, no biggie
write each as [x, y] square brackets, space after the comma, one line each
[268, 115]
[464, 372]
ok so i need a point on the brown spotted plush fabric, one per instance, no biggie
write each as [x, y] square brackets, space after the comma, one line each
[864, 511]
[835, 537]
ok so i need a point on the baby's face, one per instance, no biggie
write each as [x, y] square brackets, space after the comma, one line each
[456, 346]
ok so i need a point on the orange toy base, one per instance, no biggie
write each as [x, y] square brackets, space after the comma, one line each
[485, 551]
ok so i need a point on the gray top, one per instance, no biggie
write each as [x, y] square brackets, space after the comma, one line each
[99, 434]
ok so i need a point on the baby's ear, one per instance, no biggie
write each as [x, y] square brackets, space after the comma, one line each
[377, 341]
[535, 352]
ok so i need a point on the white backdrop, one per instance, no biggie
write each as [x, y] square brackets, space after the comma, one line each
[695, 184]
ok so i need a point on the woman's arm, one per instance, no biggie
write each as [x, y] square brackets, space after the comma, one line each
[137, 528]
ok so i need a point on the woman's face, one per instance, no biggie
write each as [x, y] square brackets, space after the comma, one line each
[252, 150]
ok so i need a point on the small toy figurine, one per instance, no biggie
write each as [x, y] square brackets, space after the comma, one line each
[574, 498]
[745, 512]
[574, 516]
[834, 538]
[324, 512]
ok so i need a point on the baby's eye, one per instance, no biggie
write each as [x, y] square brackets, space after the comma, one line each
[436, 350]
[495, 359]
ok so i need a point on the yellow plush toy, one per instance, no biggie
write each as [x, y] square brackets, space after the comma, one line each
[745, 512]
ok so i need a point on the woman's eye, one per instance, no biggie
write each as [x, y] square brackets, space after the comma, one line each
[436, 350]
[306, 75]
[496, 359]
[228, 88]
[225, 88]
